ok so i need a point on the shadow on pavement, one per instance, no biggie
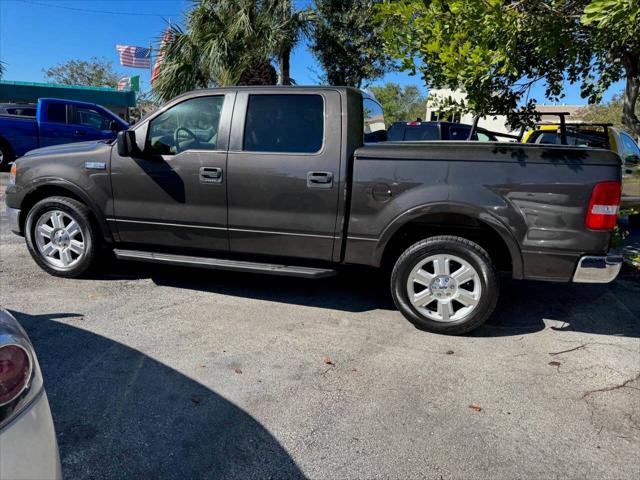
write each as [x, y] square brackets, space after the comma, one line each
[121, 414]
[612, 309]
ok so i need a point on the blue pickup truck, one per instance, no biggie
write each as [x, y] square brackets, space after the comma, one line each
[56, 121]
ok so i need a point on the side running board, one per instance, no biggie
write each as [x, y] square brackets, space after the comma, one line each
[223, 264]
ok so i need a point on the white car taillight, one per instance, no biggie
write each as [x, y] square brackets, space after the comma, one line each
[20, 375]
[15, 372]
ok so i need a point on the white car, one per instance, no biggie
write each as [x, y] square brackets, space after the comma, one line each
[28, 446]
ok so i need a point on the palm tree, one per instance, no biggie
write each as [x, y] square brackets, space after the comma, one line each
[292, 25]
[225, 42]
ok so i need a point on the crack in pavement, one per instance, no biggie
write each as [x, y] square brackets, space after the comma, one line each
[624, 384]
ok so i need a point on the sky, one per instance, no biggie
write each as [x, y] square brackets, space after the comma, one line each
[37, 34]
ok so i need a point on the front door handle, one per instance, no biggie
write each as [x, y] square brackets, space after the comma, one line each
[319, 179]
[210, 174]
[78, 133]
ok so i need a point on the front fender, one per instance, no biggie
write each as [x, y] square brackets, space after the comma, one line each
[17, 198]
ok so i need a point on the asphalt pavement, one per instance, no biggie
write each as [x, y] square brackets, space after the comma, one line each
[157, 372]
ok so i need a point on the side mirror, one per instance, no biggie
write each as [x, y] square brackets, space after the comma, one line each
[632, 159]
[126, 143]
[114, 126]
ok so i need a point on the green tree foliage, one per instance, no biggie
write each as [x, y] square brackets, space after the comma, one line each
[346, 40]
[146, 103]
[496, 50]
[95, 72]
[229, 43]
[609, 112]
[400, 103]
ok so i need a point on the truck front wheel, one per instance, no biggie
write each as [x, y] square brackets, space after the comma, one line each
[6, 155]
[60, 236]
[445, 284]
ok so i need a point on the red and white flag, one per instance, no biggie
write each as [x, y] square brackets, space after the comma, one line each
[137, 57]
[166, 38]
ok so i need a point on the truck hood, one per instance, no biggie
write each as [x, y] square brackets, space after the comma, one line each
[79, 147]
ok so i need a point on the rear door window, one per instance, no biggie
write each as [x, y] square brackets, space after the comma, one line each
[57, 113]
[284, 123]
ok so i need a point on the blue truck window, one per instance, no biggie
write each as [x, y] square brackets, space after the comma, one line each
[57, 112]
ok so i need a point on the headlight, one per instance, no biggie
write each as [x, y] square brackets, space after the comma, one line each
[20, 376]
[12, 174]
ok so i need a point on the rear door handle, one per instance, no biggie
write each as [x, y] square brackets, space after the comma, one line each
[78, 133]
[319, 179]
[210, 175]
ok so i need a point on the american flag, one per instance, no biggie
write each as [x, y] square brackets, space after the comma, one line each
[137, 57]
[166, 38]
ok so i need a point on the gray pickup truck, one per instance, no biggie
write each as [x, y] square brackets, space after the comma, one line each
[283, 180]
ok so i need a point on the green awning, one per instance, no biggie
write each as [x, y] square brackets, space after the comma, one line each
[30, 92]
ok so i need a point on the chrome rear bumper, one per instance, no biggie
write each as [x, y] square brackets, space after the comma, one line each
[598, 269]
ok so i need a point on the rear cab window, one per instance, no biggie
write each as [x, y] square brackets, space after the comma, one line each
[413, 131]
[284, 123]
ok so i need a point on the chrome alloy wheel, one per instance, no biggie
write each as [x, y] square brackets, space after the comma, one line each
[59, 239]
[444, 288]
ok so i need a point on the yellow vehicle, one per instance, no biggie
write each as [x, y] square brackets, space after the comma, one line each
[597, 135]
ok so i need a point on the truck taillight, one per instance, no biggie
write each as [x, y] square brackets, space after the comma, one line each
[603, 206]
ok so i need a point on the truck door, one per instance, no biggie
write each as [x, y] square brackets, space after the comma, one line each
[91, 124]
[284, 164]
[174, 193]
[55, 123]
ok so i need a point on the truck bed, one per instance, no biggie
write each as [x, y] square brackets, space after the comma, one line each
[536, 196]
[20, 132]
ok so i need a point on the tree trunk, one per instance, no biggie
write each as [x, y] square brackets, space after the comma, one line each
[631, 93]
[284, 75]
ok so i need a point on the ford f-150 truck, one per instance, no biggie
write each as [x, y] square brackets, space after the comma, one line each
[56, 121]
[279, 180]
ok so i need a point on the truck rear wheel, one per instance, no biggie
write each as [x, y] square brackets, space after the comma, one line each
[445, 284]
[60, 236]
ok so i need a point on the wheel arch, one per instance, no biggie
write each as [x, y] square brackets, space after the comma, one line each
[63, 188]
[467, 221]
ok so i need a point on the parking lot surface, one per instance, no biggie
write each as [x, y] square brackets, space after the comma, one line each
[172, 373]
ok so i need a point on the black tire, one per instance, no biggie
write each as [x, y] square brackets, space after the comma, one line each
[76, 211]
[459, 247]
[6, 155]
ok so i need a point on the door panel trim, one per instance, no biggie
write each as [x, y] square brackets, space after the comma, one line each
[186, 225]
[271, 232]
